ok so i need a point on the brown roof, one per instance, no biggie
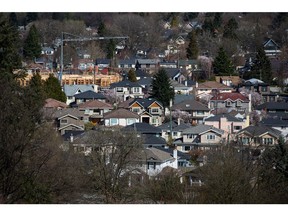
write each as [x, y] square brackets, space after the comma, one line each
[212, 85]
[121, 113]
[95, 104]
[52, 103]
[126, 103]
[232, 96]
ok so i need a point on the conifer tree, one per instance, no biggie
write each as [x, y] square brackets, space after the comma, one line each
[192, 50]
[32, 46]
[53, 89]
[132, 76]
[222, 64]
[230, 28]
[162, 89]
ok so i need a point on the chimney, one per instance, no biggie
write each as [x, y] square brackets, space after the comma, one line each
[175, 156]
[71, 138]
[178, 121]
[185, 82]
[249, 106]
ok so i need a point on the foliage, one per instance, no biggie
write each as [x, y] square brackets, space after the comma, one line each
[222, 64]
[13, 19]
[162, 89]
[111, 49]
[206, 65]
[101, 29]
[53, 89]
[192, 50]
[32, 47]
[132, 75]
[230, 28]
[217, 21]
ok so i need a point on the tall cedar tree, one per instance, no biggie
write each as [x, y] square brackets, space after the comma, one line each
[101, 29]
[9, 43]
[132, 76]
[53, 89]
[230, 28]
[222, 64]
[261, 68]
[162, 89]
[111, 46]
[192, 50]
[32, 46]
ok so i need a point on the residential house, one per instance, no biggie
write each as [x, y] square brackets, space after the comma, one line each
[150, 110]
[86, 65]
[195, 110]
[127, 89]
[149, 65]
[146, 84]
[230, 101]
[55, 104]
[228, 123]
[88, 96]
[95, 110]
[71, 90]
[188, 65]
[271, 48]
[126, 64]
[202, 137]
[211, 87]
[175, 74]
[141, 74]
[47, 51]
[231, 81]
[274, 108]
[150, 134]
[120, 117]
[257, 136]
[277, 123]
[177, 129]
[103, 63]
[69, 119]
[179, 98]
[180, 88]
[167, 64]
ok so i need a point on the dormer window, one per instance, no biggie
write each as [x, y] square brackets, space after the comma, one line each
[238, 103]
[119, 89]
[228, 103]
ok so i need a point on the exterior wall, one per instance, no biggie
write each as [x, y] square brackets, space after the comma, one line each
[70, 120]
[232, 105]
[256, 141]
[70, 127]
[204, 139]
[159, 167]
[120, 121]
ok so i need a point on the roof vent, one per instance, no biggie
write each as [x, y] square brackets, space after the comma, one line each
[187, 105]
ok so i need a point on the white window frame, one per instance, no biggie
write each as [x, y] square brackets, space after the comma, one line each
[111, 123]
[64, 121]
[210, 136]
[153, 112]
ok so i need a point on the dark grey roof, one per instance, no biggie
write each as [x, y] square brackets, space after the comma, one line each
[126, 61]
[141, 73]
[75, 134]
[121, 113]
[172, 72]
[227, 116]
[180, 97]
[180, 154]
[201, 129]
[189, 82]
[89, 95]
[125, 83]
[143, 128]
[68, 111]
[259, 130]
[145, 81]
[175, 126]
[102, 61]
[151, 139]
[275, 122]
[145, 102]
[273, 106]
[188, 105]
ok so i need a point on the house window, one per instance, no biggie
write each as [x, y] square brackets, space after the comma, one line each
[245, 140]
[210, 137]
[154, 110]
[130, 121]
[136, 90]
[200, 112]
[151, 165]
[129, 65]
[113, 121]
[174, 133]
[264, 89]
[136, 110]
[186, 148]
[228, 103]
[238, 103]
[191, 136]
[154, 120]
[237, 127]
[70, 97]
[119, 89]
[267, 141]
[63, 121]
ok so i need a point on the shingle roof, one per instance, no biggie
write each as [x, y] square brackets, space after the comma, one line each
[201, 129]
[141, 73]
[150, 139]
[143, 128]
[212, 85]
[147, 61]
[121, 113]
[275, 122]
[172, 72]
[102, 61]
[175, 126]
[157, 155]
[145, 81]
[227, 116]
[126, 104]
[179, 98]
[188, 105]
[52, 103]
[145, 102]
[75, 134]
[95, 104]
[89, 95]
[258, 130]
[180, 154]
[70, 90]
[74, 112]
[125, 83]
[273, 106]
[233, 96]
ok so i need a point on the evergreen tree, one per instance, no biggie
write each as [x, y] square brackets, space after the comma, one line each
[208, 25]
[261, 68]
[111, 46]
[9, 46]
[192, 50]
[217, 22]
[230, 28]
[53, 89]
[31, 16]
[222, 64]
[162, 89]
[174, 22]
[32, 46]
[101, 29]
[132, 76]
[13, 19]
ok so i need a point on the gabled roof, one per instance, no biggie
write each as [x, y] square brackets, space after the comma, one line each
[70, 111]
[260, 130]
[143, 128]
[68, 125]
[89, 95]
[125, 83]
[145, 102]
[151, 139]
[175, 126]
[157, 155]
[72, 116]
[71, 90]
[212, 85]
[126, 61]
[95, 104]
[200, 129]
[141, 73]
[270, 42]
[275, 122]
[181, 155]
[190, 105]
[172, 72]
[145, 81]
[233, 96]
[273, 106]
[188, 62]
[120, 113]
[52, 103]
[178, 98]
[147, 61]
[102, 61]
[227, 116]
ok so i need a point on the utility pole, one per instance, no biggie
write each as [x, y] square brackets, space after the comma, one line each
[80, 38]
